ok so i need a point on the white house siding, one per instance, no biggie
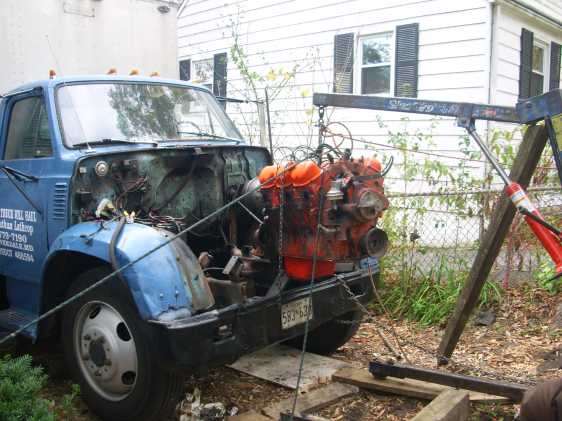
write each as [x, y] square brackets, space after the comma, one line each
[87, 36]
[454, 60]
[510, 21]
[453, 56]
[455, 63]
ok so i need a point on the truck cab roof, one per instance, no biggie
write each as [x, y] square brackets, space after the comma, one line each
[71, 152]
[62, 80]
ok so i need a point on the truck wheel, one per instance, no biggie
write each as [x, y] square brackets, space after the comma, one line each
[110, 356]
[329, 336]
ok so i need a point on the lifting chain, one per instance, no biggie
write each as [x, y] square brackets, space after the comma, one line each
[426, 350]
[281, 226]
[321, 132]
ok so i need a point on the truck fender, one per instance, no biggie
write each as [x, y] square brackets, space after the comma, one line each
[166, 284]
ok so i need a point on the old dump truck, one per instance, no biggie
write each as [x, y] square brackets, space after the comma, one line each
[98, 171]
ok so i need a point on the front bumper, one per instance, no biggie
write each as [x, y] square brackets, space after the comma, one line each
[222, 336]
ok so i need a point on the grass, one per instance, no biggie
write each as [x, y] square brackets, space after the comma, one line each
[429, 299]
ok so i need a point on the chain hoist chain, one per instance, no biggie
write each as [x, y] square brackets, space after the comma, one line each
[426, 350]
[281, 223]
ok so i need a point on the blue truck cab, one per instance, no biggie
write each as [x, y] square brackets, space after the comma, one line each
[97, 171]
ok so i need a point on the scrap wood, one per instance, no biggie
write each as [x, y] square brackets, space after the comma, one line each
[249, 416]
[407, 387]
[450, 405]
[312, 401]
[278, 364]
[289, 416]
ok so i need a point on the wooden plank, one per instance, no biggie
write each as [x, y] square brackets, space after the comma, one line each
[450, 405]
[406, 387]
[522, 170]
[312, 401]
[280, 365]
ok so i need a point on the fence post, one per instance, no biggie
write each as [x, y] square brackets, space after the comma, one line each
[524, 166]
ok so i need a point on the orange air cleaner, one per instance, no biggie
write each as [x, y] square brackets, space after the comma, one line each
[267, 175]
[374, 164]
[305, 173]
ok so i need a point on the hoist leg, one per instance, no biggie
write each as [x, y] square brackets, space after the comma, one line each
[524, 166]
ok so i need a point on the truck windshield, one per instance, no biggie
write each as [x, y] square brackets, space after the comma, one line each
[135, 112]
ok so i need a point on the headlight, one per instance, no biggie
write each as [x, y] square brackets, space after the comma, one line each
[369, 205]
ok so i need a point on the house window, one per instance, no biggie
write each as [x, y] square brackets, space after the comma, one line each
[185, 69]
[202, 72]
[539, 68]
[376, 58]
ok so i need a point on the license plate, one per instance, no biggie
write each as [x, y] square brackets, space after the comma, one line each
[295, 312]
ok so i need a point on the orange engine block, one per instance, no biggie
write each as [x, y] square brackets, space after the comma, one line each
[340, 200]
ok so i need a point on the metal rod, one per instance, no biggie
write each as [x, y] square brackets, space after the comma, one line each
[459, 381]
[268, 122]
[491, 158]
[252, 214]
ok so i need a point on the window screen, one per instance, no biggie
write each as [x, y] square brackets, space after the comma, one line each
[376, 63]
[537, 70]
[28, 130]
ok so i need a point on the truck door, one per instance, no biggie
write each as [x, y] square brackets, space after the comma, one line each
[26, 159]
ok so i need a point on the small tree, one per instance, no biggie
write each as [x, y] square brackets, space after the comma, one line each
[20, 386]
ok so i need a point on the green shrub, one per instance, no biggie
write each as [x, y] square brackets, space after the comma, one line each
[20, 387]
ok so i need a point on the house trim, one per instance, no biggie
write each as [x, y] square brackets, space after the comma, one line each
[532, 12]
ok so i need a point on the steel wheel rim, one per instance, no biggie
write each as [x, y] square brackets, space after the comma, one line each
[105, 350]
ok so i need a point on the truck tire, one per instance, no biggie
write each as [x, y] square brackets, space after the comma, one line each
[329, 336]
[109, 355]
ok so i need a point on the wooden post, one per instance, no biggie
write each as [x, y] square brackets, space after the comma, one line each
[523, 168]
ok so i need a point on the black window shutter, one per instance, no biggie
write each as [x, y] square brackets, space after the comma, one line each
[185, 69]
[526, 63]
[406, 70]
[343, 63]
[555, 51]
[219, 74]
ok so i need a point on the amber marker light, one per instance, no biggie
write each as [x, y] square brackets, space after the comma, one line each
[52, 74]
[154, 74]
[134, 72]
[112, 71]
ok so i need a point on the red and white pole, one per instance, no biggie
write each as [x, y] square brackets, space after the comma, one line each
[549, 240]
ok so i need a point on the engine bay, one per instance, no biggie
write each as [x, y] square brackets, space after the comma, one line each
[295, 220]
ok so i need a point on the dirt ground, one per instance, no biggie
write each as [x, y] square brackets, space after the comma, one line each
[520, 343]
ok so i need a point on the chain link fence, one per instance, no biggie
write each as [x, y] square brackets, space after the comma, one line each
[432, 228]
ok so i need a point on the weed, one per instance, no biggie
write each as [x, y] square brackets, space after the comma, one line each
[545, 279]
[430, 299]
[66, 409]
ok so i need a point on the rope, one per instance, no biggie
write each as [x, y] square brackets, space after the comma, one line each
[427, 351]
[394, 334]
[131, 263]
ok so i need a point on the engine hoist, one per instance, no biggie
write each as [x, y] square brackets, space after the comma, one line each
[546, 107]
